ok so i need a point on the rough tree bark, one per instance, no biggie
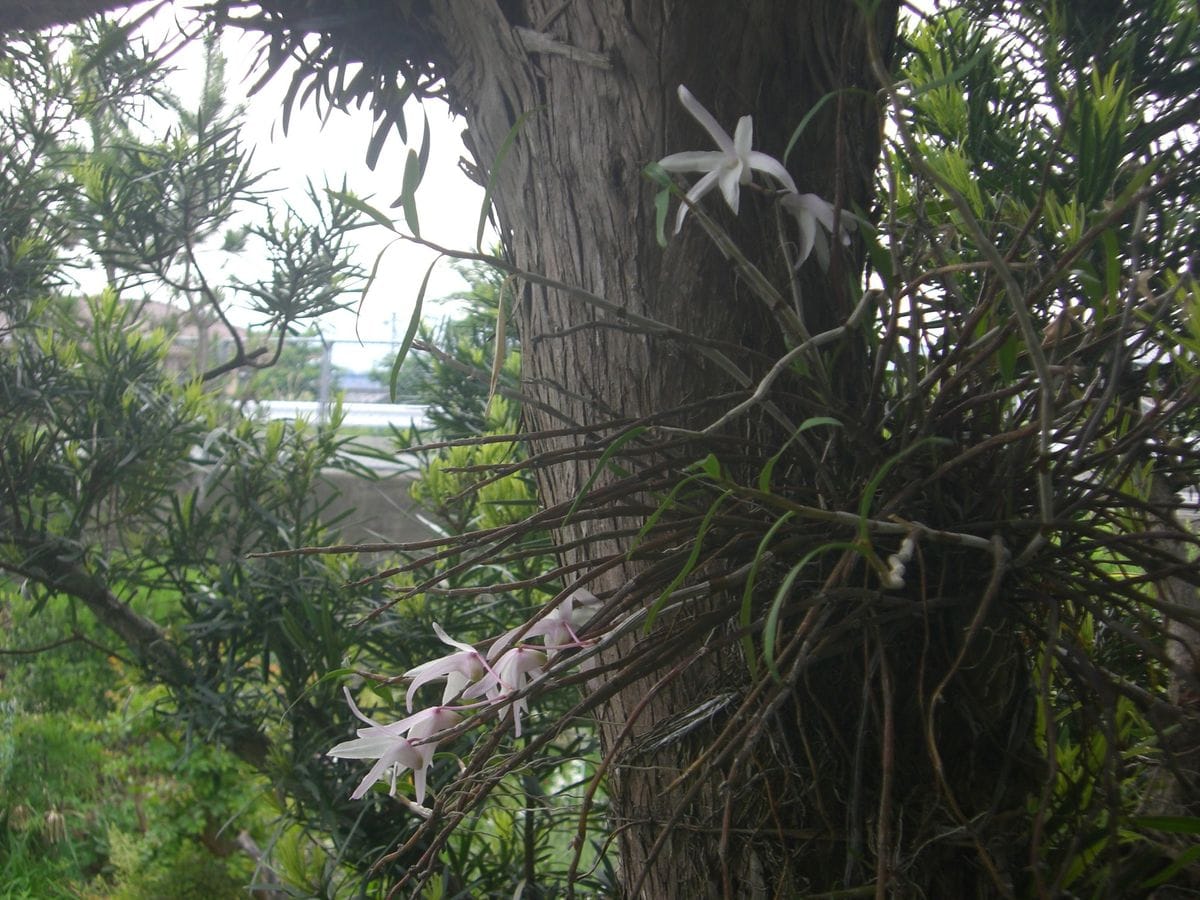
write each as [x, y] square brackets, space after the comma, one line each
[598, 86]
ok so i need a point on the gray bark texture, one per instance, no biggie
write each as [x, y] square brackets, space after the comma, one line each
[597, 90]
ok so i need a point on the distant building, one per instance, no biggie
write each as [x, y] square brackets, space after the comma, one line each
[198, 340]
[359, 387]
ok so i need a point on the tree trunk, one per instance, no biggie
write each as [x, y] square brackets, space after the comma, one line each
[590, 90]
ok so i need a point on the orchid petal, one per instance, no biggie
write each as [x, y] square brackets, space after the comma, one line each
[808, 234]
[732, 166]
[456, 682]
[518, 708]
[371, 747]
[419, 783]
[587, 605]
[729, 178]
[449, 641]
[821, 248]
[693, 161]
[706, 120]
[483, 686]
[425, 673]
[402, 756]
[459, 669]
[502, 643]
[743, 139]
[819, 209]
[373, 775]
[358, 712]
[518, 663]
[815, 216]
[394, 753]
[463, 667]
[769, 165]
[429, 722]
[699, 189]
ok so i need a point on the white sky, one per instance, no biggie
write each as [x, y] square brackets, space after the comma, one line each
[448, 202]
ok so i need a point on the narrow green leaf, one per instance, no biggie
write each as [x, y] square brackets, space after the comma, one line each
[952, 76]
[1135, 184]
[363, 207]
[816, 107]
[658, 175]
[505, 146]
[881, 259]
[1006, 358]
[608, 453]
[1112, 271]
[423, 155]
[710, 466]
[500, 346]
[771, 626]
[375, 147]
[375, 271]
[1172, 824]
[764, 477]
[408, 197]
[409, 336]
[690, 564]
[799, 130]
[662, 205]
[662, 199]
[1182, 861]
[658, 513]
[335, 675]
[868, 496]
[747, 611]
[114, 39]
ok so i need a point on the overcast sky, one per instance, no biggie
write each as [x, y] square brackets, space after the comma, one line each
[448, 202]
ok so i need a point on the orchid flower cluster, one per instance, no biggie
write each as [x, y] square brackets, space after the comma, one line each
[509, 666]
[733, 165]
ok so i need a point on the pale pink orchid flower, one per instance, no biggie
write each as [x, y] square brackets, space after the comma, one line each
[514, 670]
[557, 628]
[459, 669]
[396, 747]
[729, 167]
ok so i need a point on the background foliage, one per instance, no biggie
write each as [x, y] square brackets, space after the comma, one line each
[1021, 408]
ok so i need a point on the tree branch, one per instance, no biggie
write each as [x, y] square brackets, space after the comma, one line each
[155, 652]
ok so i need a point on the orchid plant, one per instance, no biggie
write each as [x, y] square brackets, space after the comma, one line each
[497, 680]
[730, 166]
[406, 744]
[733, 165]
[508, 668]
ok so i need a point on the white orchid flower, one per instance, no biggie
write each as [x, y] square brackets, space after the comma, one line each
[422, 728]
[459, 669]
[812, 215]
[392, 750]
[558, 627]
[514, 670]
[729, 167]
